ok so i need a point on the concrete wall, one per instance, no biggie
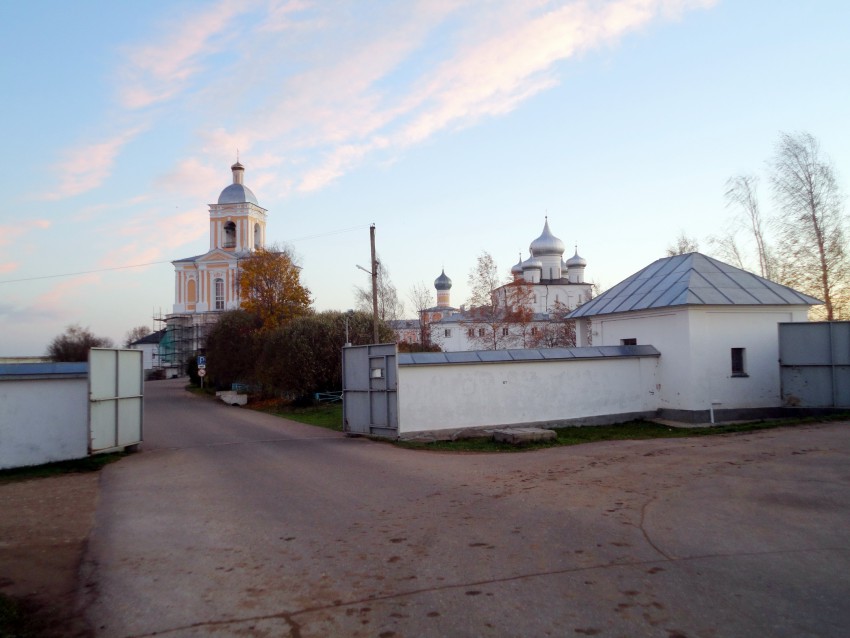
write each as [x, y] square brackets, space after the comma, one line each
[43, 417]
[468, 395]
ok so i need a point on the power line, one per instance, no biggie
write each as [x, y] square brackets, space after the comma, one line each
[155, 263]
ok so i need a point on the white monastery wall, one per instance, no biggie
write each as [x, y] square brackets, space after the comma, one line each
[455, 396]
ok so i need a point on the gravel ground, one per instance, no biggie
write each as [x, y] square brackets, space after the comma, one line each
[44, 524]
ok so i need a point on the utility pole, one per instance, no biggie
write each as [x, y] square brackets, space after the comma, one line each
[374, 286]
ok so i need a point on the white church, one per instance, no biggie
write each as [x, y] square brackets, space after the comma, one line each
[207, 285]
[554, 287]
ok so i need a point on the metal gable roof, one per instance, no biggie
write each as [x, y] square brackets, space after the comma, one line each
[691, 279]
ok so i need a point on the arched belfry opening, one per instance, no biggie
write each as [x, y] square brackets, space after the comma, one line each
[258, 236]
[229, 235]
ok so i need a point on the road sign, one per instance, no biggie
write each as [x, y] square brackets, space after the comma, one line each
[202, 373]
[202, 361]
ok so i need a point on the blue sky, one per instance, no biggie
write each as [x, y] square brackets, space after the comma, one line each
[455, 127]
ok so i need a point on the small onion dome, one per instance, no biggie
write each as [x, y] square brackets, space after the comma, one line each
[532, 262]
[575, 260]
[443, 282]
[547, 243]
[517, 267]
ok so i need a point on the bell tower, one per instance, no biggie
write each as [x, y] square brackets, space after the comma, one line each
[237, 221]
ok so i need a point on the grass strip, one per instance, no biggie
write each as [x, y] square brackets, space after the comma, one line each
[92, 463]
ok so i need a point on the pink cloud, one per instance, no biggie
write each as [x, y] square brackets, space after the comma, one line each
[60, 301]
[8, 267]
[502, 61]
[147, 242]
[159, 70]
[87, 167]
[12, 232]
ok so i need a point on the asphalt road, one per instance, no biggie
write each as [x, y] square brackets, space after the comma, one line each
[234, 523]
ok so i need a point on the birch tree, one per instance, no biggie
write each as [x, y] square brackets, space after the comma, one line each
[810, 224]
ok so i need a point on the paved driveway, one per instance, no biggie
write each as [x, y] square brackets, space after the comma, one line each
[233, 523]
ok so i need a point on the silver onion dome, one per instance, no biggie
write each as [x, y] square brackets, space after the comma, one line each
[547, 243]
[516, 269]
[575, 260]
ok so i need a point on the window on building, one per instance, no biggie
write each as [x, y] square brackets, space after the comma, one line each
[258, 236]
[739, 362]
[504, 332]
[534, 330]
[448, 332]
[470, 332]
[481, 332]
[628, 342]
[219, 294]
[229, 235]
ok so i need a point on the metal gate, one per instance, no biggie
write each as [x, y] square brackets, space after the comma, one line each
[116, 389]
[814, 361]
[369, 390]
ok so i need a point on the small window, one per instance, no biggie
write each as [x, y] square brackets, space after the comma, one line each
[534, 330]
[481, 332]
[448, 332]
[739, 362]
[504, 332]
[470, 332]
[628, 342]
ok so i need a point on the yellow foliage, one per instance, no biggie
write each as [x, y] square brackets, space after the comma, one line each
[270, 287]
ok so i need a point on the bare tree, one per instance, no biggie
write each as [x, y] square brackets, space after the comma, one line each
[741, 193]
[558, 332]
[390, 307]
[422, 298]
[133, 335]
[811, 225]
[74, 344]
[499, 314]
[683, 245]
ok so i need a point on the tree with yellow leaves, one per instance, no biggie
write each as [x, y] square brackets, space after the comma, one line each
[270, 287]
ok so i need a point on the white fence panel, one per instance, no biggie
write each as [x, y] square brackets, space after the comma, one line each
[116, 388]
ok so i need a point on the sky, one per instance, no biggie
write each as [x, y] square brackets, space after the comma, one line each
[455, 127]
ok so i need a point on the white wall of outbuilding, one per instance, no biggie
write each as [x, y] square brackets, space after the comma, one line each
[695, 344]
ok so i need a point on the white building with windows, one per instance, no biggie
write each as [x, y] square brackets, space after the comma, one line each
[555, 287]
[716, 327]
[206, 285]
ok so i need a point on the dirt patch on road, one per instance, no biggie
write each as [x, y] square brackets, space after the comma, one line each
[44, 524]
